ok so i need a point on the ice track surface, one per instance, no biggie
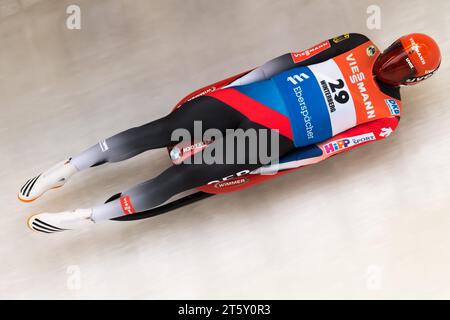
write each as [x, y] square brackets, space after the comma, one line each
[373, 223]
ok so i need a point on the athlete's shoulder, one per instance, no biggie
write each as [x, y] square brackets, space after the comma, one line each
[334, 47]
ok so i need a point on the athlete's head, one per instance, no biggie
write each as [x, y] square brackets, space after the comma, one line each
[410, 59]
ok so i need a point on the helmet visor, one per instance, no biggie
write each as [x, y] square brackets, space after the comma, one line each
[394, 65]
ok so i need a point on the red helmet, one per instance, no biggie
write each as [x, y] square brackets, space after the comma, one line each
[410, 59]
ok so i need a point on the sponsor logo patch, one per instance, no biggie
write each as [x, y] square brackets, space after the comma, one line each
[305, 54]
[204, 92]
[126, 205]
[103, 145]
[386, 132]
[394, 109]
[345, 143]
[371, 50]
[415, 48]
[417, 79]
[341, 38]
[231, 183]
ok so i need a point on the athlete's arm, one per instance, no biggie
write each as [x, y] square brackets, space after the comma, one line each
[318, 53]
[352, 138]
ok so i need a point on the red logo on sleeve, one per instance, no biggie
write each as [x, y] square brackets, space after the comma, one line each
[303, 55]
[127, 207]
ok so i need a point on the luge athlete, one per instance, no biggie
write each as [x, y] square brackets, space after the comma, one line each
[335, 96]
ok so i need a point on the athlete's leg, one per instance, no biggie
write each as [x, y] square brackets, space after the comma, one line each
[157, 134]
[177, 179]
[171, 182]
[211, 112]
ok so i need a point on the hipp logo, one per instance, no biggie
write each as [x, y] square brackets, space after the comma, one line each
[393, 106]
[336, 145]
[345, 143]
